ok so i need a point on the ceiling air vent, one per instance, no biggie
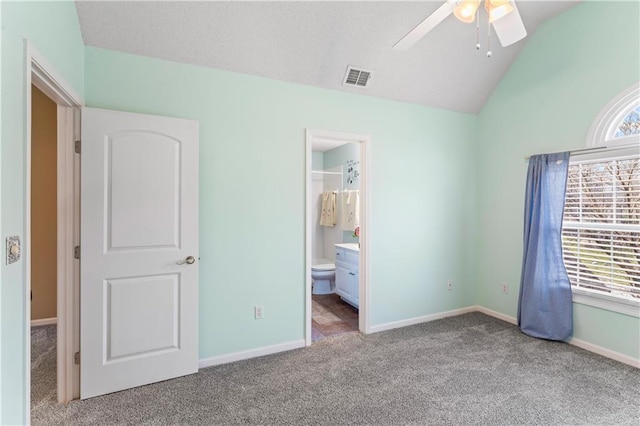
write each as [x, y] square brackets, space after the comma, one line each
[357, 77]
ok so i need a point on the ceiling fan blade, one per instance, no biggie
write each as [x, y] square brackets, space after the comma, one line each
[425, 26]
[510, 28]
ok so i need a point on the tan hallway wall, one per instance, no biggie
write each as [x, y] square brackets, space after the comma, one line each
[43, 205]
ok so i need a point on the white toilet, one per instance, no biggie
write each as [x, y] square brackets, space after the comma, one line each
[323, 275]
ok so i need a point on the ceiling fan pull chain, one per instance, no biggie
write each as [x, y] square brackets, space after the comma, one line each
[478, 26]
[489, 35]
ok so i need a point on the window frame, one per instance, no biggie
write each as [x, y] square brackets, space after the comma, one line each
[597, 298]
[601, 136]
[606, 122]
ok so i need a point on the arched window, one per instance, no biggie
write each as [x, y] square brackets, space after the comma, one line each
[618, 124]
[629, 126]
[601, 223]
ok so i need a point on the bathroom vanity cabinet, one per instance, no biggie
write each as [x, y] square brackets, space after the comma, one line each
[347, 275]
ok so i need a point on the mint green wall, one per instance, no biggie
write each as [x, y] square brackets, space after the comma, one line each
[53, 29]
[339, 157]
[317, 161]
[572, 66]
[252, 139]
[425, 167]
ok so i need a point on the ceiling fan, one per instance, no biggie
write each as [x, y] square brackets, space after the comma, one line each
[503, 15]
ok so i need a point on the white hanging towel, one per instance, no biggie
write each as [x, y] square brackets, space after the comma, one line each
[328, 213]
[350, 210]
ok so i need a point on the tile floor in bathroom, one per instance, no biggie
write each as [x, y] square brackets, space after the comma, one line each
[331, 316]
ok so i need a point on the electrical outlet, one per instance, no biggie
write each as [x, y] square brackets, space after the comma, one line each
[450, 285]
[258, 311]
[505, 287]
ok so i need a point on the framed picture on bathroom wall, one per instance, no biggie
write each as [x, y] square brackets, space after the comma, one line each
[353, 172]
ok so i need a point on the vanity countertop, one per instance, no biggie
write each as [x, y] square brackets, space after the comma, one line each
[349, 246]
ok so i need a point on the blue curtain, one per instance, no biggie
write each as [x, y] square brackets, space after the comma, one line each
[544, 303]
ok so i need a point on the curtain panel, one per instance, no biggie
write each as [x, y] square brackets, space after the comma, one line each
[544, 303]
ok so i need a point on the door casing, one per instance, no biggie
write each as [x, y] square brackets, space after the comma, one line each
[364, 322]
[44, 76]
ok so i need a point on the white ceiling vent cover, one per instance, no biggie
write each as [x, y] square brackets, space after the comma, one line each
[357, 77]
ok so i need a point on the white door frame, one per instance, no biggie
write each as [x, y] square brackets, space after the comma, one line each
[364, 323]
[42, 75]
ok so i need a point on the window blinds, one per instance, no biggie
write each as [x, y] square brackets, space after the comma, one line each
[601, 226]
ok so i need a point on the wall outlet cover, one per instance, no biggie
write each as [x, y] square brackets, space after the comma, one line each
[258, 311]
[13, 249]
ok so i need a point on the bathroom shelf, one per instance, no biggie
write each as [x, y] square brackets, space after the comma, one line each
[326, 173]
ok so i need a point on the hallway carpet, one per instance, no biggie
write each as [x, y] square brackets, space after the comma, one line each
[43, 368]
[465, 370]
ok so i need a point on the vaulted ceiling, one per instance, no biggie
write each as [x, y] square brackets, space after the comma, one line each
[312, 43]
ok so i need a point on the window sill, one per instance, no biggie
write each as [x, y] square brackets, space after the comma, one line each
[604, 301]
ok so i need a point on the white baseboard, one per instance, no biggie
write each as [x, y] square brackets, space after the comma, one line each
[296, 344]
[496, 314]
[607, 353]
[43, 321]
[419, 320]
[251, 353]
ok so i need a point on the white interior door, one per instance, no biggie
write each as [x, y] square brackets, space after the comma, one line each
[139, 219]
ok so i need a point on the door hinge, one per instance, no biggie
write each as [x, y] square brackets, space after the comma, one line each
[77, 147]
[76, 252]
[76, 358]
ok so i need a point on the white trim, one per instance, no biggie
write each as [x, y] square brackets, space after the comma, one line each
[364, 270]
[496, 314]
[68, 373]
[251, 353]
[308, 240]
[620, 150]
[596, 298]
[601, 129]
[604, 301]
[42, 75]
[296, 344]
[74, 341]
[607, 353]
[47, 79]
[364, 319]
[43, 321]
[26, 246]
[422, 319]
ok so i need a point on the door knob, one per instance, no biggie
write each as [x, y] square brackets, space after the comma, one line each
[189, 261]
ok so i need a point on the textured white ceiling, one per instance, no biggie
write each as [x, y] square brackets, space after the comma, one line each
[312, 43]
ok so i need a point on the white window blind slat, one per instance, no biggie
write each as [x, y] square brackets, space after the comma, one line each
[601, 226]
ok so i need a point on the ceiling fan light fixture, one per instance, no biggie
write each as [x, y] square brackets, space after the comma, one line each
[466, 10]
[503, 15]
[498, 9]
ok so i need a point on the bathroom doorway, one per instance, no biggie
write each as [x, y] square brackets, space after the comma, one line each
[336, 255]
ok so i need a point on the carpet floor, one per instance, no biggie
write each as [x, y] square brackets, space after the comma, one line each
[465, 370]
